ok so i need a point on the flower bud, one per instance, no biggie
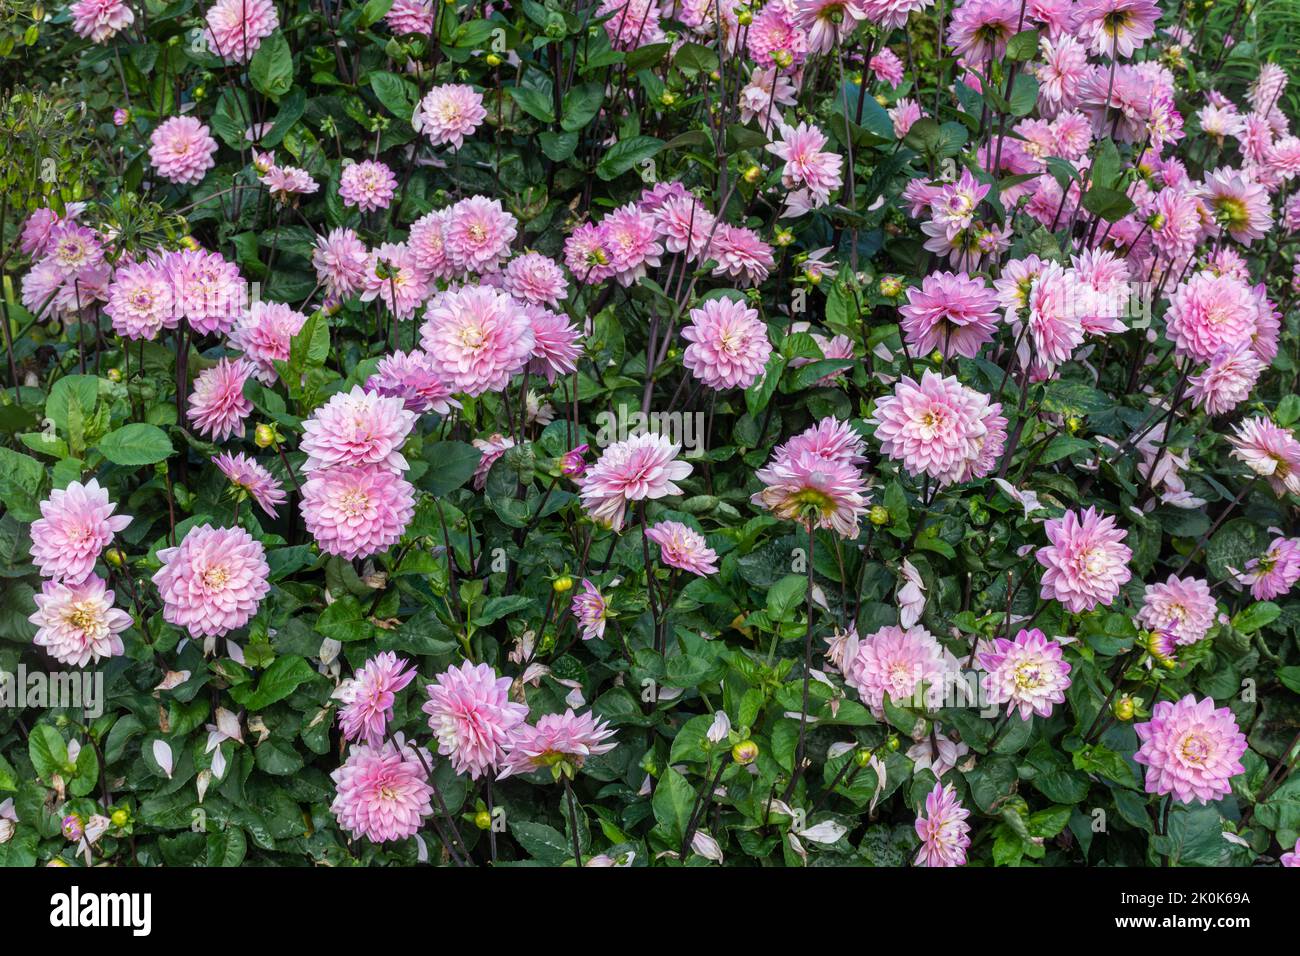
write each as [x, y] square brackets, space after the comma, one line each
[115, 557]
[115, 375]
[1123, 707]
[745, 752]
[863, 757]
[667, 98]
[783, 58]
[493, 60]
[483, 820]
[744, 18]
[891, 286]
[264, 437]
[562, 584]
[783, 237]
[879, 515]
[120, 817]
[753, 174]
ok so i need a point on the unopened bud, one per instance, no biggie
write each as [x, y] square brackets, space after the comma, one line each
[264, 436]
[483, 820]
[562, 584]
[745, 752]
[753, 174]
[879, 515]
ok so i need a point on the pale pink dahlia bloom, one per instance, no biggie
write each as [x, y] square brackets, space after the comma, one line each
[206, 289]
[1027, 673]
[410, 377]
[1269, 451]
[729, 346]
[979, 29]
[476, 339]
[631, 23]
[428, 245]
[1291, 859]
[140, 301]
[587, 255]
[1273, 574]
[944, 832]
[1116, 28]
[685, 225]
[907, 664]
[393, 276]
[935, 427]
[887, 67]
[954, 314]
[741, 254]
[236, 28]
[556, 343]
[773, 34]
[630, 239]
[368, 185]
[904, 115]
[477, 234]
[253, 479]
[1191, 749]
[410, 16]
[536, 279]
[356, 511]
[182, 149]
[213, 581]
[591, 611]
[827, 22]
[100, 20]
[383, 793]
[340, 260]
[359, 427]
[287, 182]
[810, 172]
[78, 624]
[264, 334]
[1087, 561]
[76, 524]
[217, 406]
[681, 546]
[642, 468]
[368, 697]
[1240, 205]
[1180, 607]
[448, 114]
[556, 739]
[1228, 379]
[815, 491]
[471, 714]
[1209, 312]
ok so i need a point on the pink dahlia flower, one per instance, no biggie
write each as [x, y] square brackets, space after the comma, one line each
[252, 479]
[904, 115]
[367, 185]
[448, 114]
[641, 468]
[78, 624]
[206, 289]
[741, 254]
[827, 22]
[182, 149]
[100, 20]
[934, 427]
[382, 793]
[1180, 607]
[410, 17]
[591, 611]
[892, 14]
[357, 511]
[809, 171]
[1227, 382]
[477, 234]
[944, 832]
[1190, 749]
[1240, 205]
[1269, 451]
[359, 427]
[587, 254]
[1209, 312]
[428, 246]
[368, 697]
[217, 405]
[683, 547]
[631, 23]
[1116, 28]
[773, 35]
[536, 279]
[887, 67]
[285, 183]
[410, 377]
[236, 28]
[954, 314]
[471, 714]
[393, 276]
[685, 225]
[979, 29]
[632, 243]
[341, 261]
[899, 662]
[556, 343]
[1292, 858]
[76, 524]
[729, 346]
[1087, 561]
[140, 301]
[264, 334]
[1273, 574]
[213, 581]
[814, 491]
[830, 439]
[476, 339]
[556, 739]
[1027, 673]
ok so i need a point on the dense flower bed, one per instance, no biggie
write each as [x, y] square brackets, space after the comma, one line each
[809, 432]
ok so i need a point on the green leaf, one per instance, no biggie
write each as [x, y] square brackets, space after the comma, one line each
[625, 154]
[673, 800]
[451, 464]
[581, 104]
[542, 842]
[1023, 46]
[48, 751]
[536, 103]
[784, 597]
[1258, 615]
[271, 69]
[136, 444]
[1024, 95]
[397, 94]
[278, 681]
